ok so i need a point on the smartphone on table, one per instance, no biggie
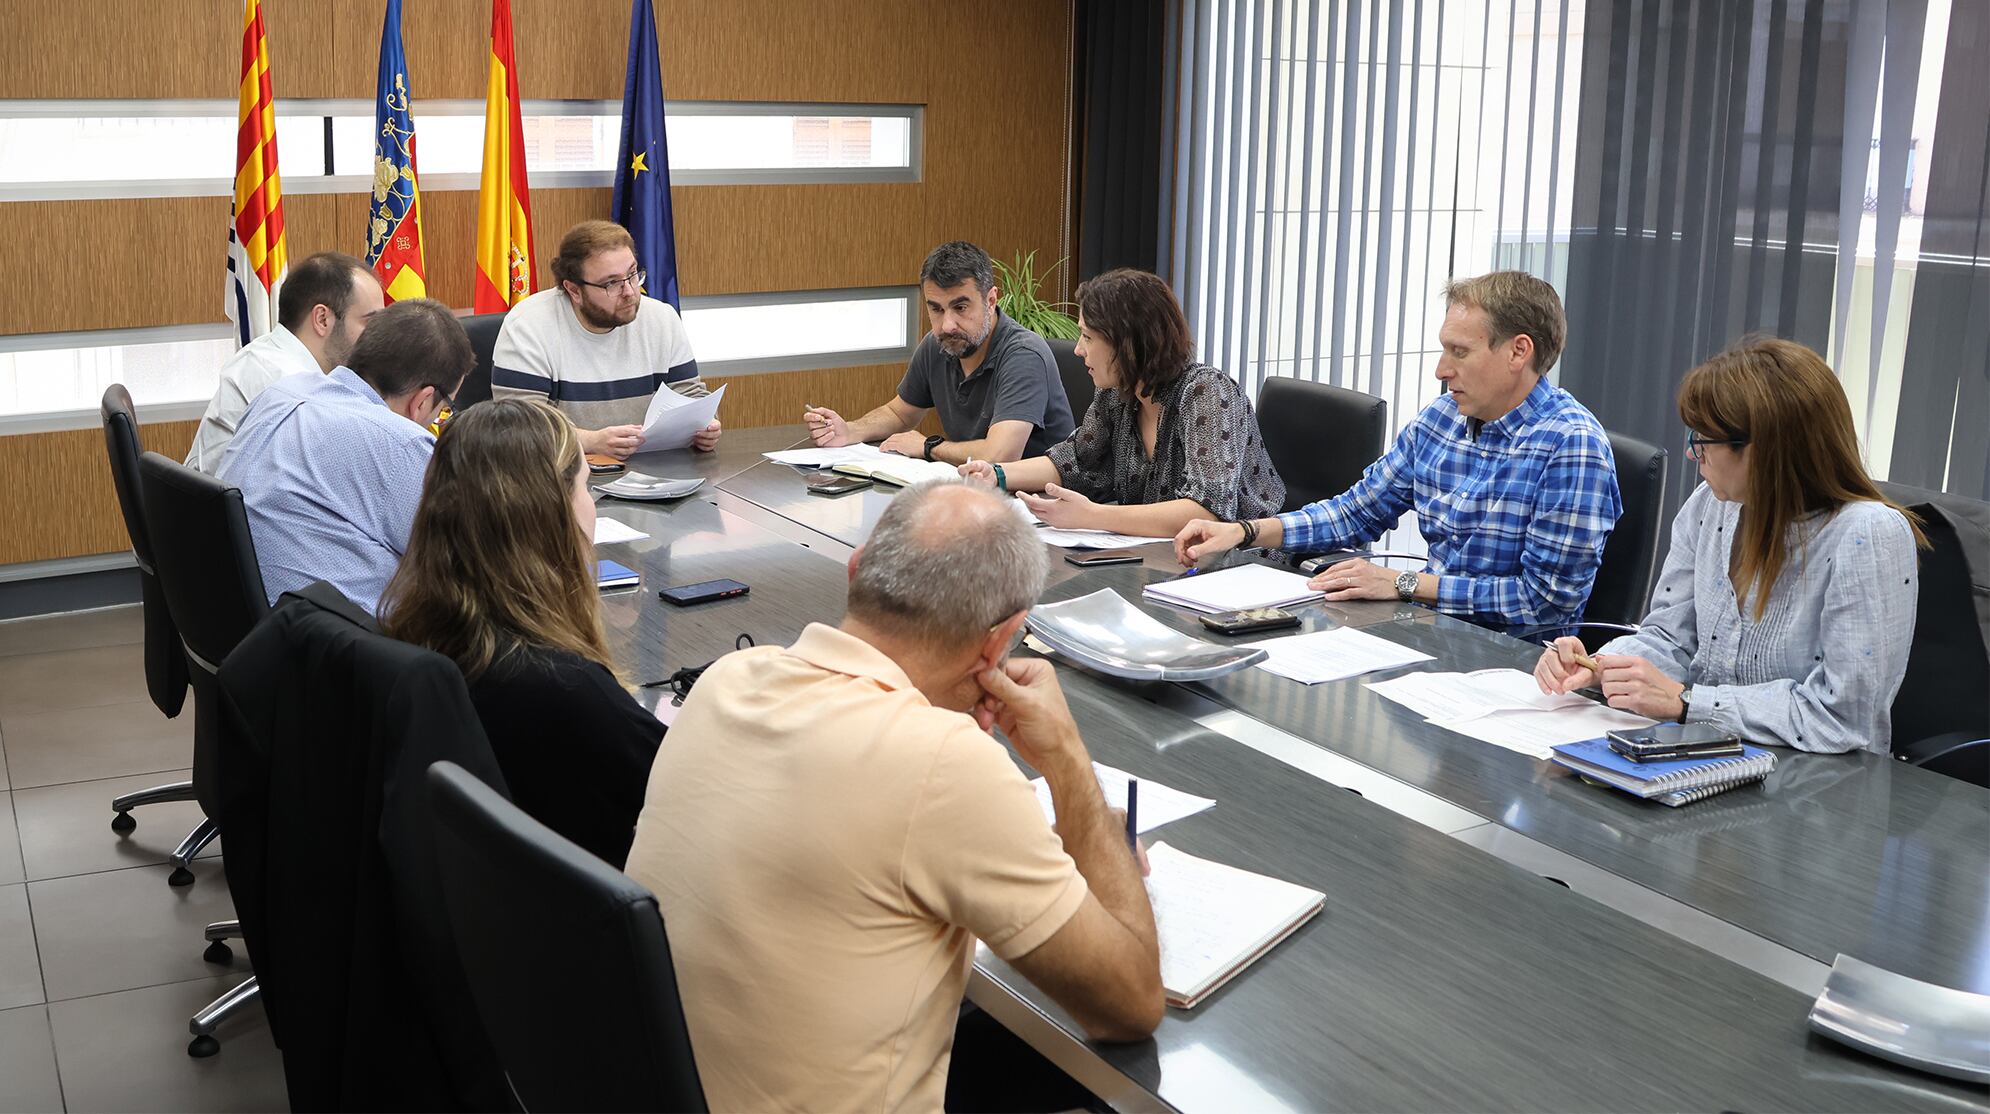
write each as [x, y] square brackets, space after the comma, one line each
[1674, 742]
[599, 464]
[1099, 557]
[684, 595]
[833, 483]
[1250, 620]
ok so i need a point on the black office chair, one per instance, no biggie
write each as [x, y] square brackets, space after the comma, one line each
[165, 663]
[1320, 437]
[483, 329]
[1941, 715]
[602, 1029]
[1622, 591]
[1077, 381]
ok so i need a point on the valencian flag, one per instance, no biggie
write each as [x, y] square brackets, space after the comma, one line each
[506, 271]
[256, 255]
[393, 227]
[642, 178]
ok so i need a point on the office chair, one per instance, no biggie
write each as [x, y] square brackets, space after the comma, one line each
[483, 329]
[1320, 437]
[603, 1029]
[1078, 388]
[213, 588]
[1941, 715]
[165, 663]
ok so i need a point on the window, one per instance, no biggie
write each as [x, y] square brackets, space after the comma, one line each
[51, 150]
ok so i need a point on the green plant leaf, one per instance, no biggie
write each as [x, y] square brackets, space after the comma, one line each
[1022, 300]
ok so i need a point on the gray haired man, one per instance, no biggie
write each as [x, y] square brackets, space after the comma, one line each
[829, 828]
[994, 383]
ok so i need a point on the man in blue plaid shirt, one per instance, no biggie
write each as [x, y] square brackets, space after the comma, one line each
[1512, 479]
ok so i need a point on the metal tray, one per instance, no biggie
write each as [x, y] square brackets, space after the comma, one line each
[1934, 1028]
[1104, 632]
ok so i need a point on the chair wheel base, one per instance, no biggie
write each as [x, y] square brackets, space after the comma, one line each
[123, 824]
[200, 1048]
[219, 952]
[181, 876]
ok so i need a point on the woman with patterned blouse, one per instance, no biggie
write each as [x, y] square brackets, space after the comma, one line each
[1786, 606]
[1166, 440]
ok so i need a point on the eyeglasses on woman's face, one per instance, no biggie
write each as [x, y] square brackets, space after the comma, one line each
[1696, 445]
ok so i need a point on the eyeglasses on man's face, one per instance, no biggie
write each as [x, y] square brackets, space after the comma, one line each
[633, 280]
[1696, 445]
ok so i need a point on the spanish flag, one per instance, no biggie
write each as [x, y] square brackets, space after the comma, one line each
[256, 257]
[393, 227]
[506, 271]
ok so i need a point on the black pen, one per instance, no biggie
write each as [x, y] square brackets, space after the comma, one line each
[1132, 813]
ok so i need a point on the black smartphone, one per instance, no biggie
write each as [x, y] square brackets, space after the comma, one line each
[831, 483]
[1680, 754]
[1250, 620]
[1102, 557]
[704, 591]
[1671, 742]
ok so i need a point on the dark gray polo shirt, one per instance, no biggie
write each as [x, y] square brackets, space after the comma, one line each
[1017, 382]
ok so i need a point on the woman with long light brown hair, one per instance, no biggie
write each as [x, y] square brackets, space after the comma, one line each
[499, 576]
[1786, 605]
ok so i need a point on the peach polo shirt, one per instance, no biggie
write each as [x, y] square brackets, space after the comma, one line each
[826, 846]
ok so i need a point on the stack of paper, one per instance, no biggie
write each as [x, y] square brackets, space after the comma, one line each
[1216, 920]
[1333, 655]
[608, 531]
[1158, 804]
[673, 418]
[1506, 708]
[1234, 589]
[823, 458]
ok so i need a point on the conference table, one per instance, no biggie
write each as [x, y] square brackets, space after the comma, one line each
[1496, 934]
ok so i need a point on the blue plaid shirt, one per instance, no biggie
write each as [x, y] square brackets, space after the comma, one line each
[1515, 517]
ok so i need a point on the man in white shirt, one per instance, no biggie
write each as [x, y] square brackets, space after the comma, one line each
[321, 308]
[595, 347]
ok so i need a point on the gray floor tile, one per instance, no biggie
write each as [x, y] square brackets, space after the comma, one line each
[83, 678]
[105, 626]
[122, 929]
[128, 1052]
[66, 829]
[87, 744]
[20, 969]
[28, 1080]
[11, 869]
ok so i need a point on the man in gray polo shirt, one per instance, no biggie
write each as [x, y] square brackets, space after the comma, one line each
[994, 382]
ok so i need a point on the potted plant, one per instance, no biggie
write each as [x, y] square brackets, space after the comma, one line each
[1021, 299]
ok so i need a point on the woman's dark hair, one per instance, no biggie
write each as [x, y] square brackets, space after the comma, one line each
[1136, 313]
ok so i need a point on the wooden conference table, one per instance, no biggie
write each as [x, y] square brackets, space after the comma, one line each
[1445, 971]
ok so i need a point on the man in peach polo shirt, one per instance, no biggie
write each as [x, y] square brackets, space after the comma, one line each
[829, 827]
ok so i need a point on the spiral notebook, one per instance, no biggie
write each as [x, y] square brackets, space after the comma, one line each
[1669, 783]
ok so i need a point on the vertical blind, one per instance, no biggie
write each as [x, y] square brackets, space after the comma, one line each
[1684, 173]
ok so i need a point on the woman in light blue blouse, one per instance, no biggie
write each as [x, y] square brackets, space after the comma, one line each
[1786, 605]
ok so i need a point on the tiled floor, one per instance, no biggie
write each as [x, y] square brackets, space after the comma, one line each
[100, 960]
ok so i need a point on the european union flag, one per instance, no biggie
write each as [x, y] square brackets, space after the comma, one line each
[642, 180]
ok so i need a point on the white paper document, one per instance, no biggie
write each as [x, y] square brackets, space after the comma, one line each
[1506, 708]
[1333, 655]
[1215, 920]
[673, 418]
[1158, 804]
[1078, 539]
[608, 531]
[1234, 589]
[823, 458]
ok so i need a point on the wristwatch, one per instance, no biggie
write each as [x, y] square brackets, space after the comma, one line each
[931, 442]
[1685, 702]
[1406, 586]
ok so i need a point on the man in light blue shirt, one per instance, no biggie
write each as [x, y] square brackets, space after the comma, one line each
[331, 466]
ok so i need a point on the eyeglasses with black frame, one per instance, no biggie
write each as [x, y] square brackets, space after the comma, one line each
[1696, 445]
[633, 280]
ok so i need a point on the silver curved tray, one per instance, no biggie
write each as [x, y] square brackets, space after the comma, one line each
[1106, 633]
[1934, 1028]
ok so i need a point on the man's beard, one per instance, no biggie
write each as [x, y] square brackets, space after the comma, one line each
[606, 319]
[338, 347]
[957, 345]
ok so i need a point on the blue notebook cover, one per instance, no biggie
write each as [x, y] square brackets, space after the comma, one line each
[608, 574]
[1597, 752]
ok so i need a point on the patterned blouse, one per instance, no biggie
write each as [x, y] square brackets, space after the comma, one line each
[1820, 669]
[1207, 449]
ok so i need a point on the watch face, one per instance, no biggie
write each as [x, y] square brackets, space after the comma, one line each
[1406, 585]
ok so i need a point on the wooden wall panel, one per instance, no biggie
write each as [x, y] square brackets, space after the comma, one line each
[109, 49]
[131, 263]
[58, 500]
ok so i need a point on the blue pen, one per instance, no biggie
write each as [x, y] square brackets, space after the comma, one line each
[1132, 813]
